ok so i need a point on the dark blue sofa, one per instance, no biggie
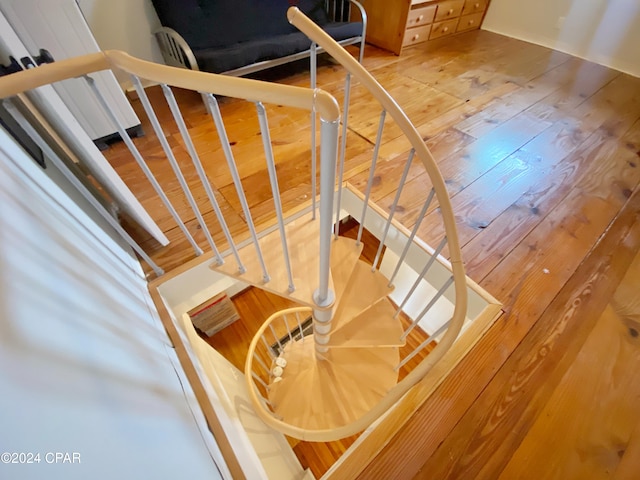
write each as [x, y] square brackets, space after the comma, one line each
[238, 37]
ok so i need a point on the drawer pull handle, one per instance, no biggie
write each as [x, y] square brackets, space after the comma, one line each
[450, 11]
[445, 29]
[477, 5]
[471, 22]
[420, 18]
[415, 37]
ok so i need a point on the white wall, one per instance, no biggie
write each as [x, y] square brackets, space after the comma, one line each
[85, 366]
[126, 25]
[603, 31]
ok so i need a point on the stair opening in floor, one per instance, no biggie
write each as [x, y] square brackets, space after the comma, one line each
[255, 305]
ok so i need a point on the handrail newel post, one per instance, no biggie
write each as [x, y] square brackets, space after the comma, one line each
[324, 297]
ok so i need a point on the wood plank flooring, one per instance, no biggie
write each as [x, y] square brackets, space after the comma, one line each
[604, 380]
[541, 154]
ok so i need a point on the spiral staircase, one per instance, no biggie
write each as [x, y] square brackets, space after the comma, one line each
[326, 382]
[336, 379]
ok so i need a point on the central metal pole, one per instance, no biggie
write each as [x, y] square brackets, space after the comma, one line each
[323, 297]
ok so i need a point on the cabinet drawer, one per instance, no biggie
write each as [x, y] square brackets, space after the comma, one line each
[416, 35]
[469, 22]
[421, 16]
[448, 10]
[474, 6]
[443, 28]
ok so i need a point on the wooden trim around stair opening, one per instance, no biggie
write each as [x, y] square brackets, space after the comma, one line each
[198, 388]
[376, 436]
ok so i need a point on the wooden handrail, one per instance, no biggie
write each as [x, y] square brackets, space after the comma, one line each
[253, 90]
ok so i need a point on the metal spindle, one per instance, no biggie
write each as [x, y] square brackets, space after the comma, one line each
[175, 110]
[169, 154]
[214, 110]
[275, 190]
[269, 349]
[300, 327]
[431, 303]
[267, 402]
[328, 156]
[286, 324]
[262, 364]
[55, 159]
[429, 339]
[393, 208]
[273, 332]
[422, 274]
[260, 381]
[314, 161]
[343, 148]
[184, 132]
[136, 155]
[421, 215]
[372, 169]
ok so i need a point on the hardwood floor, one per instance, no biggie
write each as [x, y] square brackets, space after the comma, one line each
[604, 380]
[541, 153]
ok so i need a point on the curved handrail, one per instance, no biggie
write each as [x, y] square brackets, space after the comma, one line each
[302, 22]
[253, 90]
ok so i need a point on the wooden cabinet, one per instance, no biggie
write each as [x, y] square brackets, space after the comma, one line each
[398, 24]
[449, 10]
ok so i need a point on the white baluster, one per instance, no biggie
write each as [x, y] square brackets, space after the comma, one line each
[422, 275]
[421, 215]
[169, 154]
[393, 208]
[343, 148]
[275, 190]
[136, 155]
[376, 150]
[424, 311]
[214, 111]
[60, 165]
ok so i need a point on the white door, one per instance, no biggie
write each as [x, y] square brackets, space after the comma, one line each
[56, 112]
[60, 27]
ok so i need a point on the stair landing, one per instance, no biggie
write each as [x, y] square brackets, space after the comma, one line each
[303, 242]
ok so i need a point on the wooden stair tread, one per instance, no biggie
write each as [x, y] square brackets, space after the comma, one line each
[333, 391]
[364, 289]
[345, 253]
[303, 240]
[374, 327]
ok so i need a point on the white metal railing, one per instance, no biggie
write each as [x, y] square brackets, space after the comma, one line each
[372, 170]
[275, 190]
[208, 85]
[266, 362]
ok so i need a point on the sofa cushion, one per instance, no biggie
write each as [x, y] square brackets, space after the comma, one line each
[223, 59]
[216, 23]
